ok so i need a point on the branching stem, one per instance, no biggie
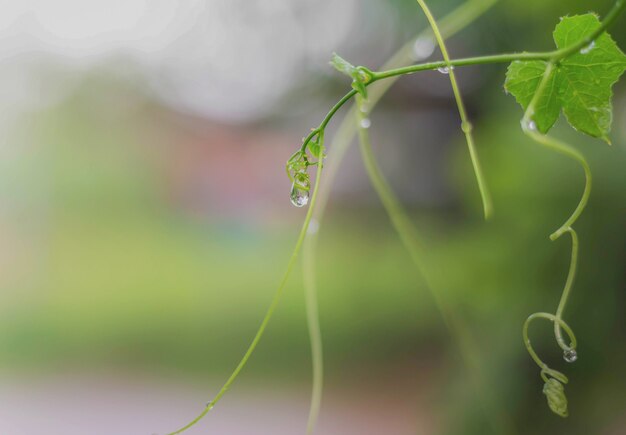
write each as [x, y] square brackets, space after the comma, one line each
[270, 310]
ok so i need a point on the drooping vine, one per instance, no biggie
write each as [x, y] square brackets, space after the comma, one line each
[575, 78]
[417, 49]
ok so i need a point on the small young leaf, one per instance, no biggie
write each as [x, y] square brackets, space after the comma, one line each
[580, 84]
[342, 65]
[360, 75]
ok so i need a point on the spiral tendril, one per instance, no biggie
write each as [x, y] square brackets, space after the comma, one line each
[553, 380]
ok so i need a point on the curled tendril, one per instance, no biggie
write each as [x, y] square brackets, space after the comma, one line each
[554, 380]
[297, 167]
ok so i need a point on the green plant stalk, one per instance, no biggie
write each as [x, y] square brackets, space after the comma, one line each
[452, 23]
[548, 56]
[553, 379]
[571, 152]
[544, 367]
[559, 147]
[466, 126]
[409, 238]
[314, 329]
[270, 311]
[552, 56]
[571, 275]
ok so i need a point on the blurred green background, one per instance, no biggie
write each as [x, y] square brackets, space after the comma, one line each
[145, 223]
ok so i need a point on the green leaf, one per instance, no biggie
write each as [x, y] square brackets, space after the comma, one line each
[342, 65]
[580, 84]
[360, 75]
[316, 148]
[522, 79]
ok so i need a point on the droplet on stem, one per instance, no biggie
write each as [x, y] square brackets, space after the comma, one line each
[588, 48]
[445, 69]
[529, 124]
[570, 355]
[365, 123]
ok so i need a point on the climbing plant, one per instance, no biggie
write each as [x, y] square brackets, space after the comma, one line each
[576, 79]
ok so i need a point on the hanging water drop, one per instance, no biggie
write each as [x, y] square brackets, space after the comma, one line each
[423, 48]
[570, 355]
[299, 196]
[445, 69]
[365, 123]
[588, 48]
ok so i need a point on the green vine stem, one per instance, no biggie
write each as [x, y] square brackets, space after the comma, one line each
[270, 310]
[553, 379]
[409, 238]
[466, 125]
[549, 56]
[313, 326]
[553, 386]
[452, 23]
[571, 275]
[529, 128]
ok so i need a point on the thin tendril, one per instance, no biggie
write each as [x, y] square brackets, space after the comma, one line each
[452, 23]
[551, 56]
[544, 367]
[409, 237]
[466, 126]
[553, 388]
[571, 275]
[315, 333]
[270, 310]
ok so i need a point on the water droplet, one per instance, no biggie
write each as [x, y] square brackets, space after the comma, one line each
[528, 124]
[445, 69]
[299, 196]
[365, 123]
[588, 48]
[423, 48]
[467, 127]
[363, 108]
[570, 355]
